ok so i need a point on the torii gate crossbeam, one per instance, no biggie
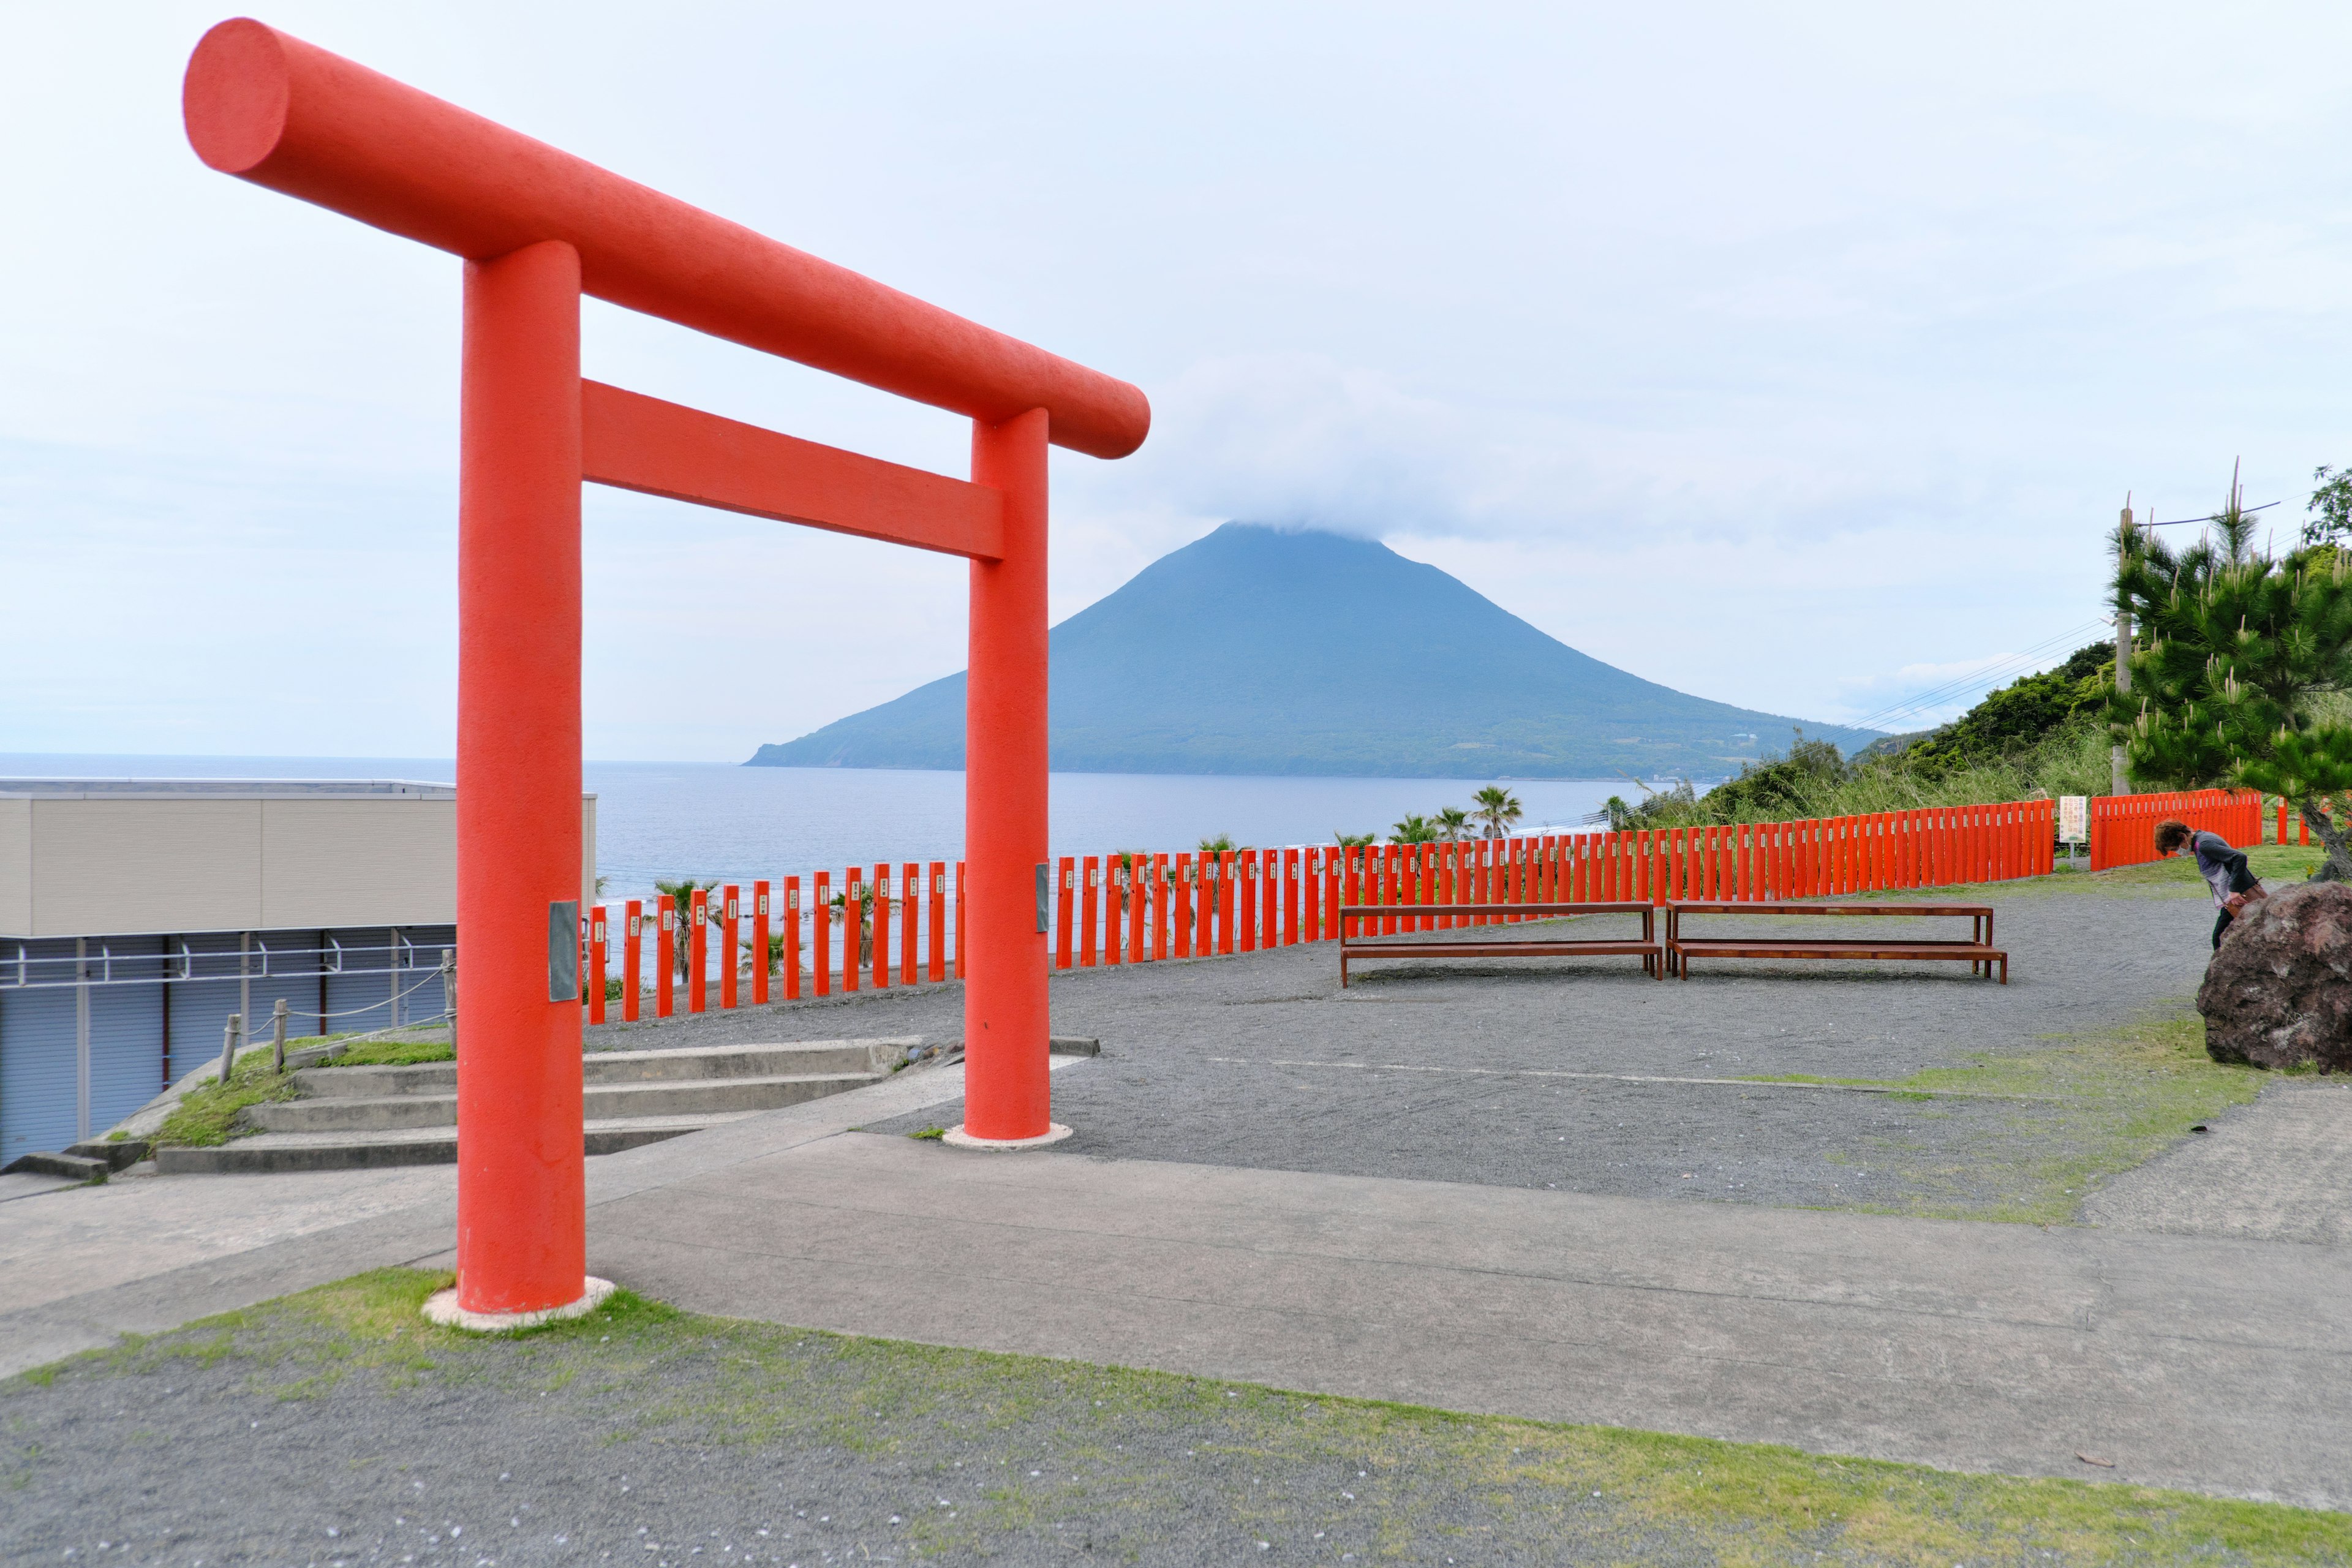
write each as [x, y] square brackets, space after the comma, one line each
[538, 228]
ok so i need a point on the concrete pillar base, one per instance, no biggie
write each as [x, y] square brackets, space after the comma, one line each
[1055, 1133]
[441, 1307]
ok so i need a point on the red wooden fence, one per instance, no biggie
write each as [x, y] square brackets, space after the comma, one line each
[1139, 908]
[2123, 826]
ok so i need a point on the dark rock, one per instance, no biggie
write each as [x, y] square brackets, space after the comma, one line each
[2279, 992]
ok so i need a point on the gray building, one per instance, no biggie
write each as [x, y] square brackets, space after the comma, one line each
[137, 914]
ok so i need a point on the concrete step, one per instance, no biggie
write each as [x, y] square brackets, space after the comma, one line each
[72, 1167]
[779, 1060]
[119, 1155]
[275, 1152]
[357, 1118]
[682, 1096]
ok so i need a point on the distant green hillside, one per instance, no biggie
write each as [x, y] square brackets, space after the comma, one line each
[1262, 650]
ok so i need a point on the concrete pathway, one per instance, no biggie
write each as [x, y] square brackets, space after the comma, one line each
[2277, 1170]
[2219, 1364]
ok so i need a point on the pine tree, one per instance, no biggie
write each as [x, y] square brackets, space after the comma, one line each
[2237, 667]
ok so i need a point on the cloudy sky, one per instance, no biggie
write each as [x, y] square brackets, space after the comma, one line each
[1796, 356]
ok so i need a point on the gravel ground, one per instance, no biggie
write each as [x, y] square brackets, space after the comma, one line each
[1517, 1072]
[337, 1427]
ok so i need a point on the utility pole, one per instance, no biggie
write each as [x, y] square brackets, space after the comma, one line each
[2121, 781]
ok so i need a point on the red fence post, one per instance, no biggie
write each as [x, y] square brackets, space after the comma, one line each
[1179, 896]
[1066, 897]
[1228, 895]
[1089, 893]
[1290, 897]
[1139, 908]
[822, 915]
[1160, 891]
[697, 951]
[596, 946]
[730, 923]
[959, 908]
[882, 908]
[855, 918]
[935, 889]
[1246, 898]
[664, 956]
[1115, 897]
[909, 920]
[633, 943]
[792, 954]
[762, 946]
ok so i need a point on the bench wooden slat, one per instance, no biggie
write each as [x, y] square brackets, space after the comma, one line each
[1977, 949]
[1494, 949]
[1361, 946]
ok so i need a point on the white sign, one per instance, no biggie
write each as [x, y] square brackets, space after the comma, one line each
[2074, 817]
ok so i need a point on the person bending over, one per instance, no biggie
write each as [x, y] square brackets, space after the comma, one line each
[2223, 869]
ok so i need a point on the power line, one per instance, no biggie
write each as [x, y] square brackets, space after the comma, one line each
[2216, 517]
[1983, 675]
[1991, 669]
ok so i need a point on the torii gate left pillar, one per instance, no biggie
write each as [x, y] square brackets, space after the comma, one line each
[538, 228]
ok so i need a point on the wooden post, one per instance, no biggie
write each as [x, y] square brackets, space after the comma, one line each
[448, 992]
[278, 1035]
[229, 1032]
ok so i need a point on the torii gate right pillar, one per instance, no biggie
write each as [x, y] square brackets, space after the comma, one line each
[1006, 1017]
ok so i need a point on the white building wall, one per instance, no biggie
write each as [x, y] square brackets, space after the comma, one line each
[145, 865]
[15, 864]
[82, 865]
[325, 861]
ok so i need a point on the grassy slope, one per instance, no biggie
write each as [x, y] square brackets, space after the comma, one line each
[1133, 1454]
[207, 1115]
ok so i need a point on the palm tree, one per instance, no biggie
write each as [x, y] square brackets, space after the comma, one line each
[775, 954]
[1498, 808]
[1355, 840]
[682, 893]
[1222, 844]
[840, 914]
[1414, 829]
[1453, 823]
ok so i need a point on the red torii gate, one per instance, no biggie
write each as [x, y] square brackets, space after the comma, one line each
[538, 228]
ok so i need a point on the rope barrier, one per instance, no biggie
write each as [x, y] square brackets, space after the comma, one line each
[354, 1012]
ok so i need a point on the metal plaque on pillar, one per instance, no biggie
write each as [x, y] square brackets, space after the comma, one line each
[563, 951]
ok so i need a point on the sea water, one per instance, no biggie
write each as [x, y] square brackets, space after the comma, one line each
[717, 820]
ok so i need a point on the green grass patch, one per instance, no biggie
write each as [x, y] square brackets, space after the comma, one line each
[2088, 1107]
[207, 1115]
[397, 1053]
[932, 1133]
[2270, 862]
[1022, 1454]
[2275, 863]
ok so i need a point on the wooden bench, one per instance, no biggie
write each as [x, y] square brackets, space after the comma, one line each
[1978, 950]
[1462, 943]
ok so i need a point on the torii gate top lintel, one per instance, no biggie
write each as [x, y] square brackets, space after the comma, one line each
[273, 110]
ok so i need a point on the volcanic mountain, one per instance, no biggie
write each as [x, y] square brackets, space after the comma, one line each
[1264, 650]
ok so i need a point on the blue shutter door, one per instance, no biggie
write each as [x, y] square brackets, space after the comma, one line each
[37, 1058]
[126, 1027]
